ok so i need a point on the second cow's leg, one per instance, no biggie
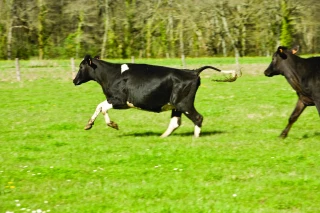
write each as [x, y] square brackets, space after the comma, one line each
[103, 107]
[175, 122]
[293, 118]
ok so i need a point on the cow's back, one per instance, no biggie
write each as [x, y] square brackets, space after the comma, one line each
[151, 87]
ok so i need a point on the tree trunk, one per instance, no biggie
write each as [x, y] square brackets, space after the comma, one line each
[243, 40]
[9, 38]
[181, 41]
[148, 38]
[106, 30]
[79, 33]
[40, 29]
[233, 41]
[127, 47]
[224, 47]
[10, 8]
[170, 32]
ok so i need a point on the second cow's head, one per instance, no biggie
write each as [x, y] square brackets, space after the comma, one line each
[280, 61]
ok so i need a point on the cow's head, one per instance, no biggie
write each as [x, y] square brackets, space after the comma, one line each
[86, 71]
[278, 65]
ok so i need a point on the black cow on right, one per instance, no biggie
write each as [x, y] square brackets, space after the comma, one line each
[303, 74]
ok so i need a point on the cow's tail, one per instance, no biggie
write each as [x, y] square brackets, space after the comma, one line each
[198, 71]
[228, 79]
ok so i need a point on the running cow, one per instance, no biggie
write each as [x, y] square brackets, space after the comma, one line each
[302, 74]
[146, 87]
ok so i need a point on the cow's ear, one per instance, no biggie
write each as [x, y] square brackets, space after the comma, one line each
[281, 52]
[295, 49]
[88, 60]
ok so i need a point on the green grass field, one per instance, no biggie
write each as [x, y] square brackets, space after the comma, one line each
[48, 163]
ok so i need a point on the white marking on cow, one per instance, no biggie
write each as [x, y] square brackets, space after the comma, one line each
[124, 67]
[175, 122]
[187, 113]
[197, 131]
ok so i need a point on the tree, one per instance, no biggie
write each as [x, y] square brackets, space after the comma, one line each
[157, 28]
[286, 26]
[41, 23]
[106, 28]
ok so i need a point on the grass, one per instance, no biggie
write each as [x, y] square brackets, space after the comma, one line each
[49, 163]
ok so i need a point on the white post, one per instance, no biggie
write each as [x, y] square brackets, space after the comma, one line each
[183, 61]
[18, 69]
[73, 75]
[132, 59]
[237, 61]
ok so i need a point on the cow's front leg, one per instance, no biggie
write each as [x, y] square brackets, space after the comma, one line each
[175, 122]
[293, 118]
[103, 107]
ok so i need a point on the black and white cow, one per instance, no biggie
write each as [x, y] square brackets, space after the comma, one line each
[147, 87]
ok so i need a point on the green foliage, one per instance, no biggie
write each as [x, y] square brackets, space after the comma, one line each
[64, 29]
[286, 36]
[286, 27]
[68, 49]
[112, 46]
[238, 164]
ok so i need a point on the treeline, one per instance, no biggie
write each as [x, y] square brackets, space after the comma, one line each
[155, 28]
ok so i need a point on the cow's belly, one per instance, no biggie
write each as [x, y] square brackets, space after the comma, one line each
[156, 99]
[151, 107]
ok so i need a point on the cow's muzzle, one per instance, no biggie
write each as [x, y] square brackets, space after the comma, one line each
[76, 82]
[268, 74]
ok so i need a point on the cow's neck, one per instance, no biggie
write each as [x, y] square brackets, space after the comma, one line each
[107, 74]
[293, 74]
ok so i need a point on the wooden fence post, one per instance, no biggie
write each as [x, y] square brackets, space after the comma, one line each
[73, 75]
[18, 70]
[183, 60]
[237, 63]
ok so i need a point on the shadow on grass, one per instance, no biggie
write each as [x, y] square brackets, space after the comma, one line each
[316, 134]
[189, 134]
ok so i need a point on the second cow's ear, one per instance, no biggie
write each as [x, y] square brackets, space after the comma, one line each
[88, 59]
[281, 52]
[295, 49]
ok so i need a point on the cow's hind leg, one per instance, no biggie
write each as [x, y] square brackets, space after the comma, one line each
[103, 107]
[293, 118]
[196, 118]
[175, 122]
